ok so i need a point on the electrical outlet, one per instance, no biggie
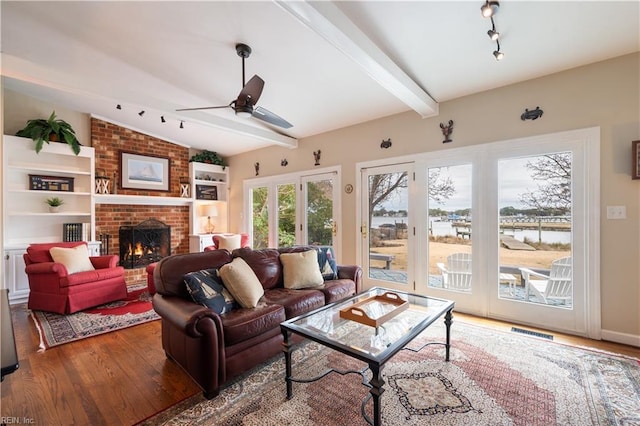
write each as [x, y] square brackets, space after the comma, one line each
[616, 212]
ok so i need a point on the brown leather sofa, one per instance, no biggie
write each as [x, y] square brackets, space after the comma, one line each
[214, 348]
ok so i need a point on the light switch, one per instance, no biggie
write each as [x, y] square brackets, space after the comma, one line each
[616, 212]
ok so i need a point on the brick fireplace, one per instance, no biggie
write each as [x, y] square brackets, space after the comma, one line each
[108, 140]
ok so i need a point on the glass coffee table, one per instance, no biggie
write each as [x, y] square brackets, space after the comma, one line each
[372, 327]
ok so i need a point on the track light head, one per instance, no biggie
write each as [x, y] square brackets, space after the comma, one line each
[182, 124]
[489, 8]
[498, 54]
[162, 120]
[493, 35]
[118, 106]
[141, 113]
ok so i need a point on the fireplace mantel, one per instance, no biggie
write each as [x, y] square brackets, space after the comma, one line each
[148, 200]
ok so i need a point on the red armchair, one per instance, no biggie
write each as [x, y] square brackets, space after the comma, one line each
[54, 289]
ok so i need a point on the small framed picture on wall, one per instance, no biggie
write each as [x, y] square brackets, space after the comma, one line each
[635, 157]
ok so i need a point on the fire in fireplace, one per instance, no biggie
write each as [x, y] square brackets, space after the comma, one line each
[144, 243]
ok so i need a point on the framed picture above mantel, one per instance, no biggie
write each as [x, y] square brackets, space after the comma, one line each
[146, 172]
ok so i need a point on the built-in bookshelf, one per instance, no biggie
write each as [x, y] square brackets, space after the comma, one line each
[209, 186]
[29, 179]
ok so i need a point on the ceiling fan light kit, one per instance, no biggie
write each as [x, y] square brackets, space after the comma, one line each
[245, 104]
[488, 10]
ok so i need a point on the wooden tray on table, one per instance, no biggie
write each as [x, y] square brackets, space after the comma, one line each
[376, 310]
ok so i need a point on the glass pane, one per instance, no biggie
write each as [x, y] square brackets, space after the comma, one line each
[286, 215]
[320, 212]
[449, 222]
[260, 219]
[534, 198]
[388, 212]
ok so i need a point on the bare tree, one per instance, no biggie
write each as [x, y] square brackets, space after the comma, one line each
[383, 186]
[440, 187]
[554, 170]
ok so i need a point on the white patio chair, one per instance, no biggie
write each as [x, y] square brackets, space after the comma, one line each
[558, 285]
[457, 274]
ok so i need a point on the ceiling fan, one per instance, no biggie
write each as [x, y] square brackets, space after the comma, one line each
[248, 97]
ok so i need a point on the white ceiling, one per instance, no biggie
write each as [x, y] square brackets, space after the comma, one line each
[326, 65]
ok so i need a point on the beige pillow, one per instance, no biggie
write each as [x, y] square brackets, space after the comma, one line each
[75, 259]
[301, 270]
[242, 282]
[228, 242]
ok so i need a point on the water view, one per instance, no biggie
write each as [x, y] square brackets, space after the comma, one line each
[443, 228]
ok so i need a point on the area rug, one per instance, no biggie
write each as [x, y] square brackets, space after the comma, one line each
[55, 329]
[493, 378]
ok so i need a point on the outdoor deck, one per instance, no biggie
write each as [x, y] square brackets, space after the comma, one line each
[435, 281]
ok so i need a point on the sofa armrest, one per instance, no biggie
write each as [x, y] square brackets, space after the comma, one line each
[351, 272]
[105, 261]
[47, 268]
[192, 336]
[185, 316]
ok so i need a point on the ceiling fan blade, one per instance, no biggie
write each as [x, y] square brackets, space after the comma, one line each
[211, 107]
[252, 90]
[271, 118]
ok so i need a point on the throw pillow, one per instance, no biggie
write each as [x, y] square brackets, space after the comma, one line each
[206, 288]
[300, 270]
[227, 242]
[242, 282]
[75, 259]
[327, 263]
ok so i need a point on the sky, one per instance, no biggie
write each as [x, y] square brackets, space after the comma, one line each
[514, 179]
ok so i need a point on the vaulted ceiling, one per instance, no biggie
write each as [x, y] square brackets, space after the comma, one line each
[326, 65]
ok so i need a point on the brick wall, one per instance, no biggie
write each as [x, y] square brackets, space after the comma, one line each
[108, 141]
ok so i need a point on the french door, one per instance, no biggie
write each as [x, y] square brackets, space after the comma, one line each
[320, 194]
[295, 209]
[386, 228]
[507, 230]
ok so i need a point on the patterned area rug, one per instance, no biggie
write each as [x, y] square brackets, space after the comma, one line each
[55, 329]
[494, 378]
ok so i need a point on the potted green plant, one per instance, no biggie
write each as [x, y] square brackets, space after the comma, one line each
[208, 157]
[54, 204]
[52, 129]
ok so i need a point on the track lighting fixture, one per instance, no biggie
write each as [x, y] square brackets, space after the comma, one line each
[493, 34]
[497, 53]
[489, 8]
[141, 113]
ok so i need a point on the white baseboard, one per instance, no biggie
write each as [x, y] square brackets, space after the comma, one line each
[624, 338]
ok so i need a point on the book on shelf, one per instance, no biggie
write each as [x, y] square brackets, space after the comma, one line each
[75, 232]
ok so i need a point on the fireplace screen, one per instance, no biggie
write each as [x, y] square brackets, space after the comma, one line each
[144, 243]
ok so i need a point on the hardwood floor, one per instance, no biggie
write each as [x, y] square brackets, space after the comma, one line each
[116, 378]
[124, 377]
